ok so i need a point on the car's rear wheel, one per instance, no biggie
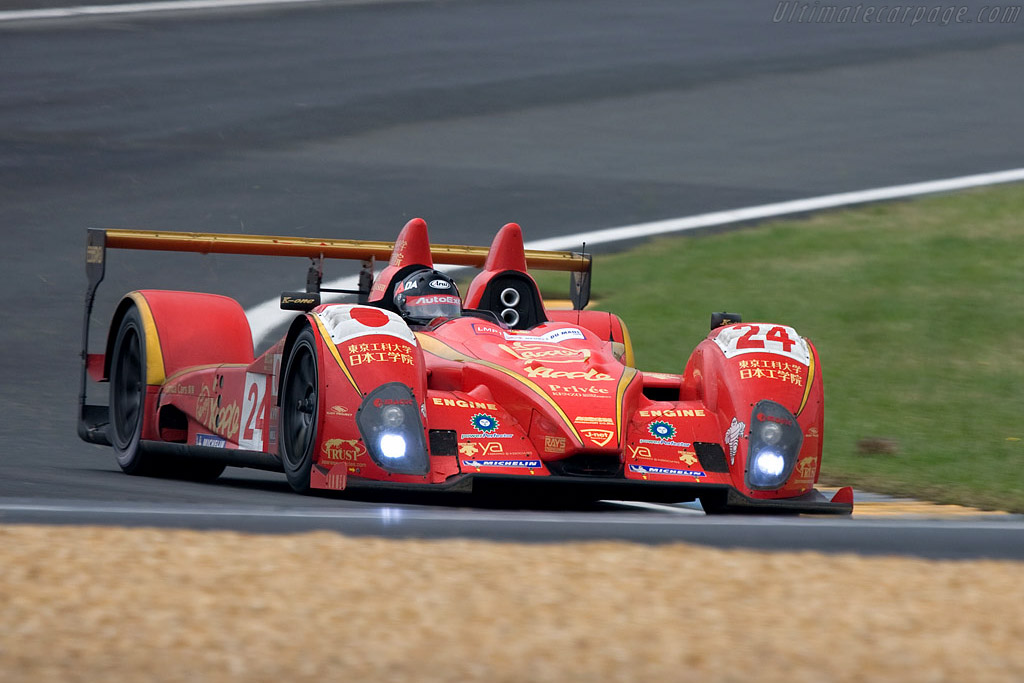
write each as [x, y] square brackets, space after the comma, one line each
[128, 411]
[300, 403]
[128, 397]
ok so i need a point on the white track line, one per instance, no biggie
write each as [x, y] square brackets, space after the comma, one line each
[155, 7]
[398, 515]
[264, 318]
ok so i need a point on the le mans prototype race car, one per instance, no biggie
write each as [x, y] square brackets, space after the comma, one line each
[417, 387]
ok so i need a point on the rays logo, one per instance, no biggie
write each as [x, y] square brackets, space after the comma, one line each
[482, 422]
[661, 430]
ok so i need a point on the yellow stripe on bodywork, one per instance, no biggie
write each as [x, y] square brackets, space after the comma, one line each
[439, 348]
[155, 373]
[334, 352]
[624, 382]
[807, 389]
[630, 360]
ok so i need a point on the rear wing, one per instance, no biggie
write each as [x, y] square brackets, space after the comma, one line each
[92, 419]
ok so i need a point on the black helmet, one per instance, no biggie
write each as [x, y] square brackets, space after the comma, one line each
[427, 294]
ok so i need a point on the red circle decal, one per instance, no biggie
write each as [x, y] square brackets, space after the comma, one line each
[370, 317]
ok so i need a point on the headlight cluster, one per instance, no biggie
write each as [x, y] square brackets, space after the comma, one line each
[775, 440]
[389, 422]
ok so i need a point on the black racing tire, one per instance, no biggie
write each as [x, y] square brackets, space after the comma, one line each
[300, 406]
[128, 397]
[127, 412]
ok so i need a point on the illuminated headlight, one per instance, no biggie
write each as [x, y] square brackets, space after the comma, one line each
[768, 464]
[392, 446]
[775, 440]
[389, 422]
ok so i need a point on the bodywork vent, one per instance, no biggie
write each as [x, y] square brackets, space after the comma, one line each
[587, 465]
[711, 456]
[443, 442]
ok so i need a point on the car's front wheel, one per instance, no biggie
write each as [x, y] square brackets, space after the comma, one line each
[300, 403]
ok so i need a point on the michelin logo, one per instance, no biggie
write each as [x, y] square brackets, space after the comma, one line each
[210, 441]
[501, 463]
[646, 469]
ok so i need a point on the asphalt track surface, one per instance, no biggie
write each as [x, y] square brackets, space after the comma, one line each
[347, 120]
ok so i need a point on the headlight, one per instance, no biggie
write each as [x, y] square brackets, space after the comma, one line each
[392, 416]
[771, 433]
[392, 446]
[775, 440]
[389, 422]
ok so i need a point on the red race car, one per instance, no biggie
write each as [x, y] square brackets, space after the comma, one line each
[417, 386]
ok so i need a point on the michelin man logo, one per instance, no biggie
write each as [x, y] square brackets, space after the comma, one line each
[733, 436]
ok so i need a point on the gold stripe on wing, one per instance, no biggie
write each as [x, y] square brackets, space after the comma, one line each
[810, 381]
[334, 352]
[627, 378]
[155, 370]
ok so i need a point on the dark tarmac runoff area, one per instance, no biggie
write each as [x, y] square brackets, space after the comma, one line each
[345, 120]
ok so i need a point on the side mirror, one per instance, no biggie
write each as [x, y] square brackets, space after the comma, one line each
[299, 301]
[720, 319]
[579, 289]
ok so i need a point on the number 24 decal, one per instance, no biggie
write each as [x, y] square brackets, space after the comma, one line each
[756, 338]
[776, 334]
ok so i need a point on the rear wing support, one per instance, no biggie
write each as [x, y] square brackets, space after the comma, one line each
[92, 419]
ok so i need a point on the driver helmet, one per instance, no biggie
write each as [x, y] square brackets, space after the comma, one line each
[427, 294]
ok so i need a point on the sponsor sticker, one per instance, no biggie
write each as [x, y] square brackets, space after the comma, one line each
[584, 420]
[661, 430]
[689, 457]
[519, 464]
[639, 452]
[549, 353]
[805, 469]
[674, 444]
[554, 444]
[342, 450]
[732, 438]
[650, 469]
[379, 352]
[552, 337]
[697, 412]
[460, 403]
[210, 441]
[224, 418]
[772, 369]
[576, 391]
[482, 422]
[599, 436]
[591, 375]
